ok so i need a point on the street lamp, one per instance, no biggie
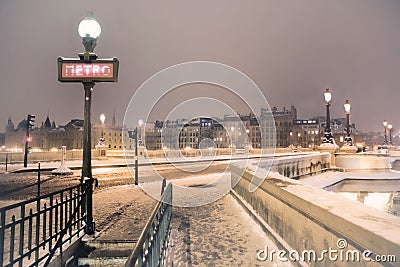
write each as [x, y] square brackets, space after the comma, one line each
[328, 138]
[140, 123]
[87, 69]
[102, 120]
[385, 123]
[89, 29]
[390, 133]
[347, 140]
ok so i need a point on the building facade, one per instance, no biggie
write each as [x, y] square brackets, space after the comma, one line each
[49, 136]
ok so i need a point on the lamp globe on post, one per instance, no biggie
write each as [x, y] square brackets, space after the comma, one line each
[102, 120]
[347, 107]
[328, 143]
[89, 29]
[348, 141]
[328, 138]
[385, 123]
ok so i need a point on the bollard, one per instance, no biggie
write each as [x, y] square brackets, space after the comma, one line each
[6, 161]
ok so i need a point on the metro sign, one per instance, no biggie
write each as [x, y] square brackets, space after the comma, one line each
[76, 70]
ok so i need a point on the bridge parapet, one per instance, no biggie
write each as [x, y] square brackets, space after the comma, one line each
[311, 219]
[300, 164]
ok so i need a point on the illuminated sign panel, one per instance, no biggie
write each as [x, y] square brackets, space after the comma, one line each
[76, 70]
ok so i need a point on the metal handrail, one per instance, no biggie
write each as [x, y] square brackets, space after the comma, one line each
[28, 201]
[151, 246]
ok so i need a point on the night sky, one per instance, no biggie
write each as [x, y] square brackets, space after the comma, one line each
[292, 50]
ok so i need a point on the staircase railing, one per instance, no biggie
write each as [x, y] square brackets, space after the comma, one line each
[151, 247]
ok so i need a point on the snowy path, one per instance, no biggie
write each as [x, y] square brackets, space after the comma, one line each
[217, 234]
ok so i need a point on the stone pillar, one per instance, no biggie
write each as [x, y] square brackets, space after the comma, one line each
[331, 148]
[63, 154]
[348, 149]
[102, 151]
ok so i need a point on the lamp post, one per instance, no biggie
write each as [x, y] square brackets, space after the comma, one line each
[347, 140]
[385, 123]
[89, 29]
[140, 122]
[390, 133]
[291, 139]
[328, 138]
[102, 120]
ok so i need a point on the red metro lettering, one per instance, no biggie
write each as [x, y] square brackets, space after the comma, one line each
[75, 70]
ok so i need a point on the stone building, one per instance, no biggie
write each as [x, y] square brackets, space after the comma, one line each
[49, 136]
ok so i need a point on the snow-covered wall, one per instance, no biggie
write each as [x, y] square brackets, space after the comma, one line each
[309, 218]
[362, 161]
[296, 165]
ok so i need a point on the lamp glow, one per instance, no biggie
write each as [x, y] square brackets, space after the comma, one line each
[89, 27]
[347, 107]
[327, 96]
[102, 118]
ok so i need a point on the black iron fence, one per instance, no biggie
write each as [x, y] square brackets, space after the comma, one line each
[31, 231]
[151, 247]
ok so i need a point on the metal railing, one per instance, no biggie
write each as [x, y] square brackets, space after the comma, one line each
[31, 231]
[151, 247]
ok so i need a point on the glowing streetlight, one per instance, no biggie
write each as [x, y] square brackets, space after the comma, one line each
[347, 140]
[102, 118]
[390, 133]
[89, 29]
[328, 138]
[385, 123]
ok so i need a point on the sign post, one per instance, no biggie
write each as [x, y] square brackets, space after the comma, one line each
[88, 70]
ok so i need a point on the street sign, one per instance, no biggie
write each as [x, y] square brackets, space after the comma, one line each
[77, 70]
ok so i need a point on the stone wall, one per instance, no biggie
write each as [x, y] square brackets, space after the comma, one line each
[301, 164]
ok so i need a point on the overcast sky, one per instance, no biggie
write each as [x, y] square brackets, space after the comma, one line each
[292, 49]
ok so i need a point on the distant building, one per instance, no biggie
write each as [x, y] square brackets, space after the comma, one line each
[272, 128]
[306, 133]
[49, 136]
[275, 126]
[2, 139]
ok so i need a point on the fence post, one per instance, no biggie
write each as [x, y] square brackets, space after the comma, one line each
[38, 188]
